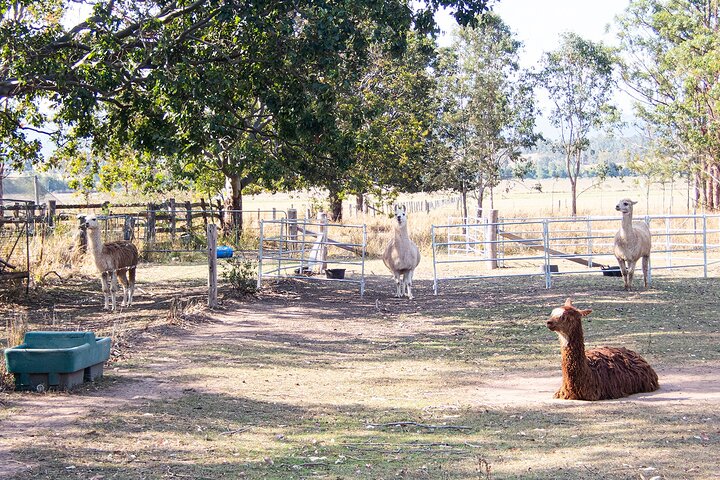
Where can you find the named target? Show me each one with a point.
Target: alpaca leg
(104, 279)
(408, 284)
(398, 285)
(113, 289)
(131, 286)
(645, 267)
(624, 271)
(631, 274)
(122, 276)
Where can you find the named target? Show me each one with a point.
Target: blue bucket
(224, 251)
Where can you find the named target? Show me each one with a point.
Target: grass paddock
(310, 380)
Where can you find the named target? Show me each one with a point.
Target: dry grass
(57, 256)
(16, 325)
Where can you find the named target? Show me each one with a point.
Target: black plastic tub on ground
(611, 271)
(335, 273)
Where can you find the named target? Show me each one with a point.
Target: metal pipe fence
(540, 247)
(305, 248)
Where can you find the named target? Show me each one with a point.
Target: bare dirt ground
(313, 381)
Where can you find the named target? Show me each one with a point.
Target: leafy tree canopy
(180, 77)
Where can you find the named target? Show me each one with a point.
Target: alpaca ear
(634, 203)
(585, 313)
(404, 209)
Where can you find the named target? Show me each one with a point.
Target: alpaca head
(91, 222)
(625, 206)
(400, 215)
(566, 321)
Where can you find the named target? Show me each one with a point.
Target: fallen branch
(310, 464)
(421, 425)
(50, 272)
(239, 430)
(3, 262)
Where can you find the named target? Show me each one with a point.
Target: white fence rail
(312, 249)
(549, 247)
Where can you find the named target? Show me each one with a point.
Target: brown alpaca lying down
(600, 373)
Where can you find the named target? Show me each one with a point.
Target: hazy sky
(538, 24)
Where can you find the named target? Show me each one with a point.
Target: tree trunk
(715, 187)
(2, 177)
(232, 220)
(707, 185)
(480, 202)
(359, 202)
(463, 196)
(335, 206)
(573, 170)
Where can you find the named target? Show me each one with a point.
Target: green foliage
(578, 77)
(488, 108)
(263, 93)
(673, 66)
(242, 275)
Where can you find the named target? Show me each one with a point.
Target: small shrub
(242, 275)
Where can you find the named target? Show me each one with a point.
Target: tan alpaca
(632, 242)
(402, 255)
(113, 260)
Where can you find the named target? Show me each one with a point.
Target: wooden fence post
(204, 212)
(51, 206)
(82, 238)
(491, 238)
(171, 205)
(212, 265)
(36, 190)
(129, 228)
(188, 216)
(150, 232)
(220, 211)
(322, 216)
(292, 227)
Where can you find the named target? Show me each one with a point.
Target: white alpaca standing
(402, 255)
(113, 260)
(632, 242)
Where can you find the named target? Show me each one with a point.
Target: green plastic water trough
(57, 359)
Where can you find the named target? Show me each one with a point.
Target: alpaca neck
(574, 361)
(401, 232)
(626, 228)
(94, 241)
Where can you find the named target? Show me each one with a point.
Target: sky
(538, 24)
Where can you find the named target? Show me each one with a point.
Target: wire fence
(16, 227)
(539, 247)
